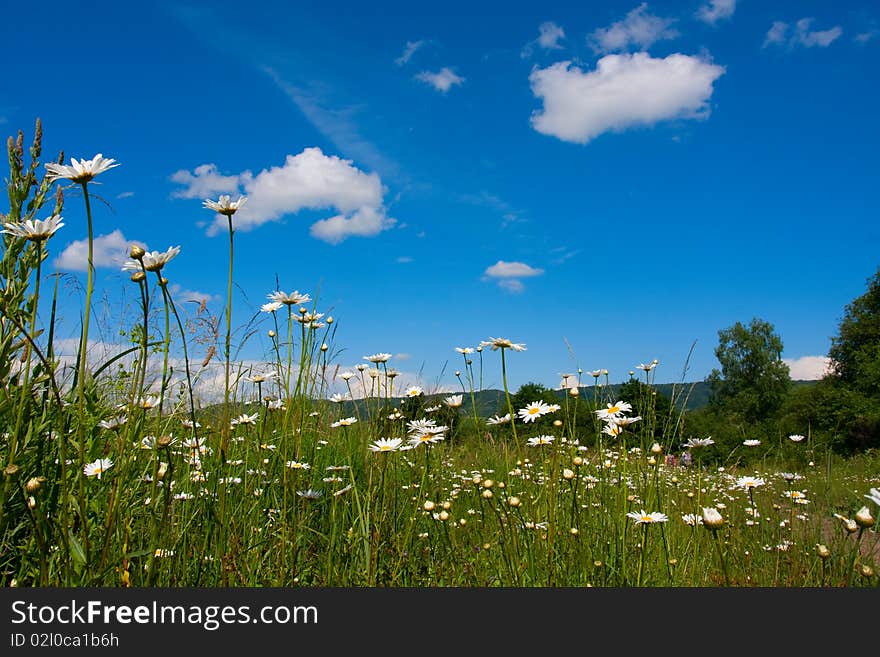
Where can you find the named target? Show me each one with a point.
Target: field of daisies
(115, 473)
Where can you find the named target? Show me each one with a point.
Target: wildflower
(260, 377)
(647, 368)
(413, 391)
(224, 205)
(271, 307)
(464, 350)
(345, 376)
(751, 442)
(621, 420)
(80, 171)
(295, 298)
(297, 465)
(113, 423)
(336, 398)
(502, 343)
(309, 494)
(712, 519)
(453, 401)
(612, 429)
(430, 436)
(378, 358)
(643, 517)
(245, 419)
(533, 411)
(697, 443)
(153, 260)
(750, 482)
(864, 518)
(537, 441)
(275, 405)
(35, 230)
(97, 468)
(386, 445)
(344, 422)
(414, 426)
(148, 402)
(692, 519)
(874, 496)
(189, 424)
(615, 409)
(796, 437)
(498, 420)
(822, 551)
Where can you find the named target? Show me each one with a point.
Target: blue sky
(621, 178)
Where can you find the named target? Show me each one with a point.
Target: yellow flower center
(534, 411)
(385, 448)
(613, 409)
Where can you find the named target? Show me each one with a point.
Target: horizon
(607, 184)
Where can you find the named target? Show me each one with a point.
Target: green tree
(753, 381)
(855, 350)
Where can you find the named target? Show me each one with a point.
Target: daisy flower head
(344, 422)
(453, 401)
(426, 437)
(874, 496)
(413, 391)
(533, 411)
(692, 519)
(712, 519)
(271, 307)
(225, 205)
(293, 299)
(502, 343)
(498, 420)
(337, 398)
(35, 230)
(113, 423)
(80, 171)
(595, 373)
(275, 405)
(796, 437)
(750, 482)
(751, 442)
(245, 419)
(644, 518)
(156, 260)
(538, 441)
(378, 358)
(386, 445)
(297, 465)
(345, 376)
(97, 468)
(698, 443)
(465, 350)
(260, 377)
(615, 409)
(309, 494)
(646, 367)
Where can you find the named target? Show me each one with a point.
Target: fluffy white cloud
(502, 269)
(623, 91)
(716, 10)
(443, 80)
(508, 274)
(205, 181)
(109, 250)
(408, 51)
(639, 28)
(549, 34)
(807, 368)
(801, 35)
(182, 295)
(309, 180)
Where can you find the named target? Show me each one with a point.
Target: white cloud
(638, 28)
(864, 37)
(807, 368)
(403, 260)
(549, 34)
(402, 356)
(716, 10)
(801, 35)
(443, 80)
(109, 250)
(408, 51)
(365, 222)
(205, 182)
(502, 269)
(122, 195)
(309, 180)
(182, 295)
(508, 274)
(624, 91)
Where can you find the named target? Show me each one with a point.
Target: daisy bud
(11, 470)
(488, 483)
(446, 506)
(574, 392)
(573, 531)
(476, 479)
(501, 484)
(867, 571)
(597, 564)
(138, 277)
(163, 281)
(428, 506)
(578, 461)
(33, 484)
(652, 461)
(163, 441)
(462, 522)
(324, 347)
(864, 517)
(136, 252)
(163, 469)
(656, 449)
(851, 526)
(32, 503)
(568, 474)
(557, 423)
(271, 333)
(712, 519)
(822, 551)
(487, 494)
(330, 320)
(444, 516)
(457, 372)
(513, 501)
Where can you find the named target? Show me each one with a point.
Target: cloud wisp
(508, 275)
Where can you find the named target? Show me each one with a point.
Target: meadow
(116, 473)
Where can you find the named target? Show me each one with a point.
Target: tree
(855, 350)
(753, 381)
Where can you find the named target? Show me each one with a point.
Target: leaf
(76, 549)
